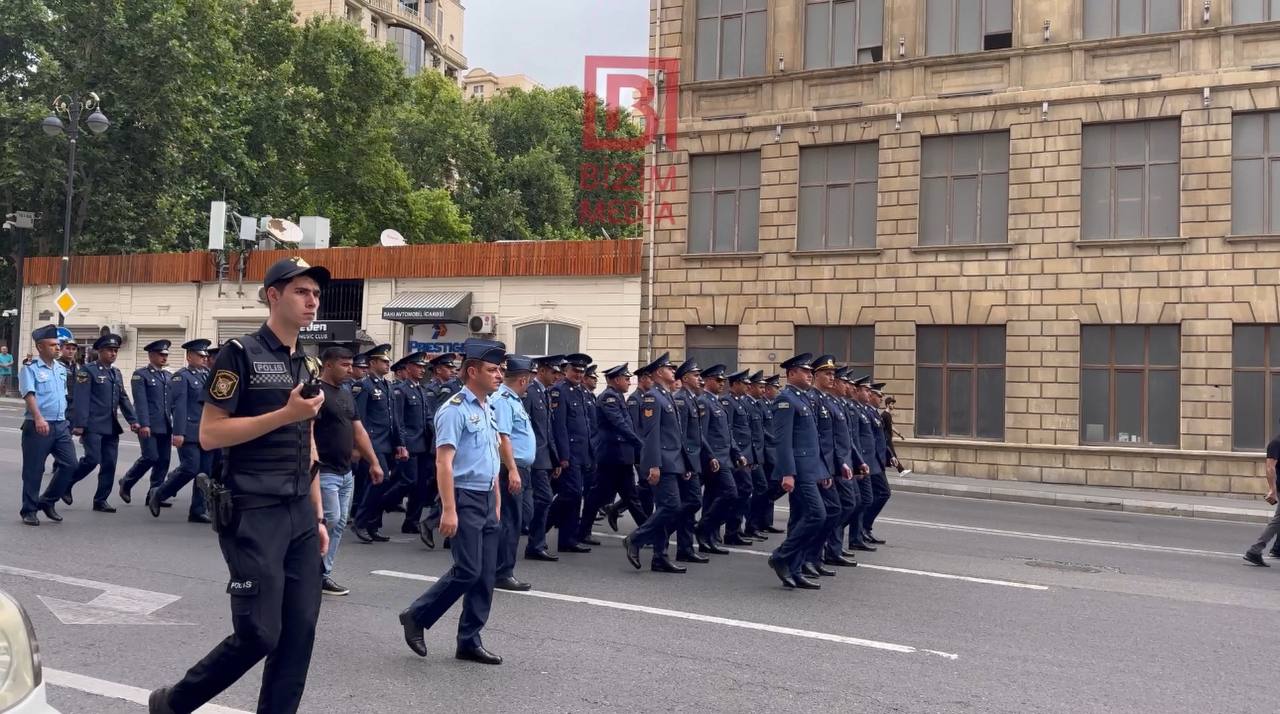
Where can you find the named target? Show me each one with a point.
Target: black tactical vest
(278, 462)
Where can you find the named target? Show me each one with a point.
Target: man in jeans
(1254, 554)
(338, 432)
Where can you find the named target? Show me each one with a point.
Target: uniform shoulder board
(457, 399)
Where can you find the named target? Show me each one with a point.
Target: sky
(548, 40)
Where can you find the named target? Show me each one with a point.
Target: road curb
(1077, 500)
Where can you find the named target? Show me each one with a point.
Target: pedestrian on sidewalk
(6, 371)
(338, 432)
(1254, 554)
(467, 467)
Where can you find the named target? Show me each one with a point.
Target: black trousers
(612, 480)
(880, 496)
(274, 561)
(512, 516)
(157, 450)
(720, 495)
(656, 530)
(101, 452)
(36, 450)
(368, 508)
(475, 561)
(690, 503)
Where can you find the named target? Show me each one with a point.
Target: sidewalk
(1110, 499)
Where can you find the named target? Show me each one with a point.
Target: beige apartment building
(480, 83)
(427, 34)
(1052, 227)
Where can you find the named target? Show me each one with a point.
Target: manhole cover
(1066, 567)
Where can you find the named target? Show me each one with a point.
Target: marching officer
(745, 423)
(799, 466)
(377, 413)
(720, 493)
(644, 493)
(664, 464)
(442, 385)
(760, 415)
(99, 394)
(842, 498)
(186, 397)
(617, 451)
(830, 511)
(411, 414)
(150, 387)
(43, 385)
(571, 427)
(879, 483)
(589, 476)
(546, 461)
(695, 446)
(518, 449)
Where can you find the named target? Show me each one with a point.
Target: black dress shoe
(633, 552)
(410, 529)
(841, 561)
(872, 539)
(589, 541)
(199, 518)
(863, 547)
(510, 583)
(808, 570)
(806, 584)
(771, 529)
(712, 548)
(158, 702)
(477, 654)
(50, 512)
(166, 504)
(780, 569)
(413, 634)
(575, 548)
(542, 555)
(378, 537)
(737, 540)
(611, 515)
(825, 571)
(103, 507)
(153, 502)
(1256, 559)
(692, 557)
(30, 519)
(427, 536)
(362, 534)
(67, 499)
(125, 495)
(666, 566)
(846, 553)
(755, 535)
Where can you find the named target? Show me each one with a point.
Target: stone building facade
(1137, 160)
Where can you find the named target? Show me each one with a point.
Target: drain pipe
(653, 176)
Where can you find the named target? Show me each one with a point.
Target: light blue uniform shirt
(513, 421)
(49, 384)
(472, 430)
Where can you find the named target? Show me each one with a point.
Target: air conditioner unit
(485, 323)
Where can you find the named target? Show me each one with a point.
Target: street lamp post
(73, 107)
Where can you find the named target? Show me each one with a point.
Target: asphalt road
(973, 606)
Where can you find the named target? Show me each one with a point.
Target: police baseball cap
(290, 268)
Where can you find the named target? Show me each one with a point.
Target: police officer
(468, 463)
(589, 476)
(644, 493)
(546, 462)
(411, 414)
(695, 446)
(255, 408)
(150, 387)
(773, 491)
(744, 421)
(664, 463)
(866, 445)
(354, 384)
(617, 451)
(518, 449)
(43, 385)
(377, 413)
(723, 455)
(186, 397)
(99, 394)
(800, 468)
(760, 414)
(813, 566)
(571, 427)
(842, 498)
(442, 385)
(879, 482)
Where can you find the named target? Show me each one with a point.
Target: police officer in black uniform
(258, 406)
(150, 387)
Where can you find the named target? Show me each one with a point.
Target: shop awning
(429, 307)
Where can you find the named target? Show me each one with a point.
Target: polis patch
(224, 384)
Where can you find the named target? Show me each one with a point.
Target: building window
(838, 196)
(730, 39)
(839, 33)
(478, 90)
(955, 26)
(373, 28)
(712, 344)
(1130, 180)
(410, 46)
(354, 15)
(1254, 11)
(342, 300)
(960, 381)
(964, 189)
(1255, 385)
(853, 346)
(724, 203)
(1129, 384)
(1255, 173)
(547, 338)
(1116, 18)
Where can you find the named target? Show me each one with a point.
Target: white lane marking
(116, 605)
(1060, 539)
(711, 619)
(115, 690)
(886, 568)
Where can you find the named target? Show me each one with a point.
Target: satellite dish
(284, 231)
(391, 238)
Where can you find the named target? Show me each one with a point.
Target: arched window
(547, 338)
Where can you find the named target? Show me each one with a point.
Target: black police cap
(290, 268)
(106, 342)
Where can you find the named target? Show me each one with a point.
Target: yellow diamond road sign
(66, 302)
